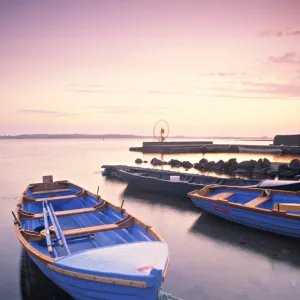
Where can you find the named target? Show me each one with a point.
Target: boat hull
(154, 185)
(255, 219)
(81, 289)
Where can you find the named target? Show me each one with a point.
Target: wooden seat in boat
(127, 222)
(51, 191)
(99, 207)
(286, 207)
(80, 194)
(265, 196)
(223, 196)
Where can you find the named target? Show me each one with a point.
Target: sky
(217, 67)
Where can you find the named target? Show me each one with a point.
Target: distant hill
(115, 136)
(71, 136)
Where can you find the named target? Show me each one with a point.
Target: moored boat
(89, 247)
(269, 210)
(180, 184)
(270, 150)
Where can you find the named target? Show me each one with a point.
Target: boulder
(271, 173)
(283, 168)
(258, 167)
(220, 165)
(295, 165)
(156, 162)
(266, 163)
(232, 161)
(198, 166)
(231, 165)
(145, 161)
(138, 161)
(203, 161)
(175, 163)
(247, 164)
(286, 174)
(187, 164)
(210, 165)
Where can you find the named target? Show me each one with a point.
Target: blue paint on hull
(259, 220)
(81, 289)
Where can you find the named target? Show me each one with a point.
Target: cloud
(279, 89)
(287, 58)
(160, 92)
(224, 74)
(231, 96)
(45, 112)
(278, 33)
(89, 91)
(107, 89)
(127, 109)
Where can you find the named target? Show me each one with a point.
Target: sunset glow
(220, 67)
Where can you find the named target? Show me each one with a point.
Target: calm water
(209, 257)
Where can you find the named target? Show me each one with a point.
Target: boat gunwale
(165, 180)
(102, 279)
(202, 195)
(49, 261)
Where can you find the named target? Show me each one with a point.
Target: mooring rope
(166, 296)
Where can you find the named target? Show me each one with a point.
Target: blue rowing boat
(89, 247)
(270, 210)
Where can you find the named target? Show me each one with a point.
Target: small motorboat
(89, 247)
(270, 210)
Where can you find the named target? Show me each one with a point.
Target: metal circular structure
(161, 130)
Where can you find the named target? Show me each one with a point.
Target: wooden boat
(259, 150)
(158, 181)
(270, 210)
(87, 246)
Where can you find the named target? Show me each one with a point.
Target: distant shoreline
(117, 136)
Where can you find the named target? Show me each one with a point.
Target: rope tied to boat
(166, 296)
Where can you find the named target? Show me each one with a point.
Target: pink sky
(218, 67)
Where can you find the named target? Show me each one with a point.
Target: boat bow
(139, 264)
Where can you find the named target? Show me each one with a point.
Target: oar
(53, 223)
(48, 239)
(59, 229)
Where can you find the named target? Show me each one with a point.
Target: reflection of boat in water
(35, 285)
(270, 210)
(278, 247)
(132, 194)
(260, 150)
(87, 246)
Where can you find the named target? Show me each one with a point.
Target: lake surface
(210, 259)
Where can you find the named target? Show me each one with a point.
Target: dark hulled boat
(180, 184)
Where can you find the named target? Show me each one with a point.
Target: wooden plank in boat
(287, 206)
(51, 191)
(69, 212)
(69, 197)
(99, 207)
(223, 196)
(124, 223)
(92, 229)
(257, 201)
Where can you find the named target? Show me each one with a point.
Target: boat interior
(265, 199)
(65, 215)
